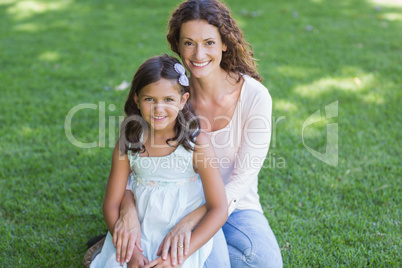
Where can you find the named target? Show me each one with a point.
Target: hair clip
(183, 80)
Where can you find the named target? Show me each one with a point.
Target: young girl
(159, 144)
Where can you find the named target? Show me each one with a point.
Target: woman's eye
(210, 43)
(187, 43)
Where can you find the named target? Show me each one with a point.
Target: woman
(235, 111)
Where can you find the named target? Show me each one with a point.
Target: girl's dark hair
(238, 58)
(187, 124)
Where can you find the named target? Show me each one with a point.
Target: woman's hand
(178, 241)
(138, 259)
(160, 263)
(127, 230)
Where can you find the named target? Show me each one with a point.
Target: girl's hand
(126, 236)
(160, 263)
(178, 241)
(138, 260)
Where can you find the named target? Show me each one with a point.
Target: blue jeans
(250, 243)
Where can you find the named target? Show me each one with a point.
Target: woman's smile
(202, 64)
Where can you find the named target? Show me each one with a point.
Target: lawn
(55, 55)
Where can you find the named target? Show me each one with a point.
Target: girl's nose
(158, 107)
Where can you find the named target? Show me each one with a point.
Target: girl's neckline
(235, 111)
(174, 151)
(161, 155)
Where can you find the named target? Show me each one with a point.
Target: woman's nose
(199, 52)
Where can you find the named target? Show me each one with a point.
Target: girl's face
(200, 46)
(160, 103)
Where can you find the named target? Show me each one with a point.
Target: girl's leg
(219, 256)
(251, 241)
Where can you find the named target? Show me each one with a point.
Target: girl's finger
(152, 263)
(146, 261)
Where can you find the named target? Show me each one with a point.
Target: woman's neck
(213, 87)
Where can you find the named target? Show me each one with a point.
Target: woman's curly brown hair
(238, 58)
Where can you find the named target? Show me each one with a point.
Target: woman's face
(200, 46)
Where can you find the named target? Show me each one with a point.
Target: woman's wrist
(127, 206)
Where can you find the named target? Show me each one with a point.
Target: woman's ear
(184, 99)
(224, 47)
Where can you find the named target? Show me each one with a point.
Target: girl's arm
(115, 188)
(215, 206)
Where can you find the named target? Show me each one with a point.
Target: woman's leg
(219, 256)
(250, 240)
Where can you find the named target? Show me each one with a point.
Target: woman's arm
(212, 215)
(127, 230)
(256, 136)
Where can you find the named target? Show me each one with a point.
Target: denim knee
(251, 242)
(255, 256)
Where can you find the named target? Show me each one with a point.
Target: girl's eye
(169, 99)
(210, 43)
(148, 99)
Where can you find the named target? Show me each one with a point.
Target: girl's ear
(136, 100)
(184, 99)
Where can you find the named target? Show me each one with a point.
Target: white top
(242, 145)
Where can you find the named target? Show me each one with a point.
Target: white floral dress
(165, 190)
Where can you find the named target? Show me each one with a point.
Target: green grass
(55, 55)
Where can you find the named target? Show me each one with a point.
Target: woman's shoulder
(253, 90)
(202, 139)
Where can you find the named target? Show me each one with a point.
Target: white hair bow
(183, 80)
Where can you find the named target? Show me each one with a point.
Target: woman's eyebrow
(206, 39)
